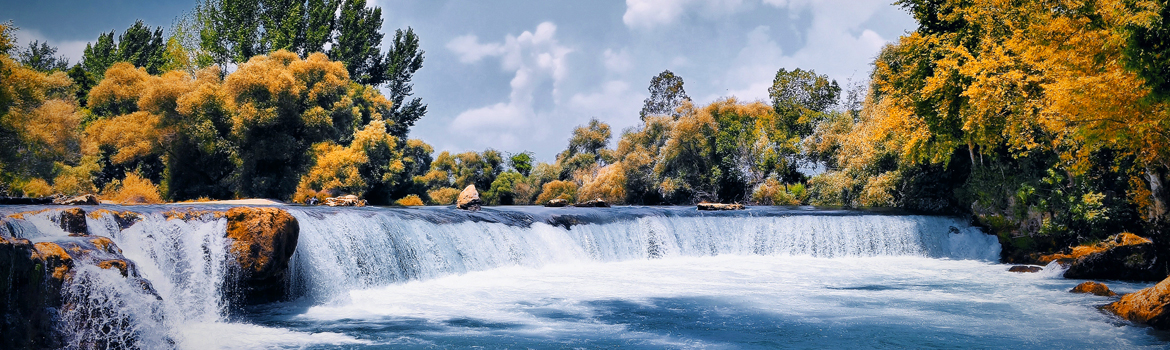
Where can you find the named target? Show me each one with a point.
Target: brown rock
(1123, 256)
(557, 203)
(72, 220)
(34, 279)
(1025, 268)
(85, 199)
(469, 199)
(1093, 288)
(124, 219)
(1147, 306)
(262, 242)
(596, 203)
(345, 201)
(720, 206)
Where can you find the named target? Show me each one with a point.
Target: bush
(772, 192)
(410, 201)
(609, 184)
(566, 190)
(443, 196)
(134, 190)
(37, 188)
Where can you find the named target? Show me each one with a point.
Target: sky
(519, 75)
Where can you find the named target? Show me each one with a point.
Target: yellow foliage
(566, 190)
(443, 196)
(523, 193)
(119, 91)
(878, 190)
(410, 201)
(337, 169)
(134, 190)
(609, 184)
(132, 136)
(772, 192)
(76, 180)
(37, 188)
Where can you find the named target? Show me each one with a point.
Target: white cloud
(536, 58)
(832, 48)
(617, 61)
(653, 13)
(613, 104)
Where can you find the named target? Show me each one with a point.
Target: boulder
(1123, 256)
(557, 203)
(720, 206)
(262, 242)
(469, 199)
(85, 199)
(1025, 268)
(1093, 288)
(32, 293)
(1147, 306)
(345, 201)
(72, 220)
(596, 203)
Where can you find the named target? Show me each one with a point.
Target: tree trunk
(1158, 192)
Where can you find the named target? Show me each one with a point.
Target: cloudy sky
(518, 75)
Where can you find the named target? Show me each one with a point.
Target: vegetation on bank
(1047, 121)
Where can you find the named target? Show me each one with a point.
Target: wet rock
(557, 203)
(262, 242)
(1025, 269)
(85, 199)
(720, 206)
(124, 219)
(345, 201)
(596, 203)
(1093, 288)
(469, 199)
(1123, 256)
(1147, 306)
(32, 277)
(72, 220)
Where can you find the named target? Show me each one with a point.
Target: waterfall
(342, 250)
(347, 250)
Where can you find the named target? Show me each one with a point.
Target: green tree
(138, 45)
(666, 95)
(230, 30)
(284, 25)
(40, 56)
(319, 25)
(522, 162)
(100, 55)
(359, 42)
(403, 59)
(1147, 51)
(503, 190)
(801, 98)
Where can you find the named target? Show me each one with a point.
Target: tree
(230, 30)
(802, 97)
(359, 42)
(522, 162)
(40, 56)
(402, 60)
(283, 25)
(319, 25)
(138, 45)
(666, 95)
(7, 38)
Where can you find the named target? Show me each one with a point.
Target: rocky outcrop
(720, 206)
(469, 199)
(557, 203)
(32, 277)
(596, 203)
(85, 199)
(1093, 288)
(1025, 269)
(345, 201)
(1123, 256)
(1147, 306)
(262, 242)
(72, 220)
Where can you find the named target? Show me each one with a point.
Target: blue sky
(519, 75)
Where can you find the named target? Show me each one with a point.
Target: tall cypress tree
(359, 42)
(402, 60)
(319, 25)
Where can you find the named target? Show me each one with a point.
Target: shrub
(443, 196)
(609, 184)
(772, 192)
(37, 188)
(135, 190)
(566, 190)
(410, 201)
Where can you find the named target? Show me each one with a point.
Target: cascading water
(538, 277)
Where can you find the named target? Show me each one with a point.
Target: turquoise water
(654, 278)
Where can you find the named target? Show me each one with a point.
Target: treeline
(239, 100)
